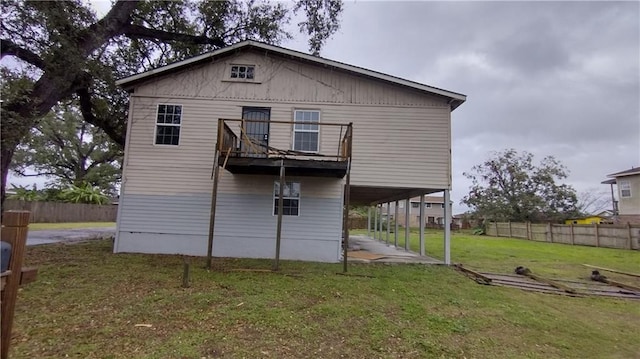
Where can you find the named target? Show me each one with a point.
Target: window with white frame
(306, 130)
(625, 189)
(428, 205)
(291, 198)
(168, 123)
(442, 205)
(415, 204)
(246, 72)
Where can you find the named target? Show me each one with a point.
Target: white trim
(299, 55)
(293, 132)
(241, 79)
(627, 184)
(156, 124)
(276, 196)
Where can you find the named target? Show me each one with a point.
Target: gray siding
(245, 225)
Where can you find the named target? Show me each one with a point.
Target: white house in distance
(433, 212)
(221, 128)
(627, 208)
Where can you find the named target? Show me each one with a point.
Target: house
(433, 212)
(586, 220)
(211, 139)
(627, 208)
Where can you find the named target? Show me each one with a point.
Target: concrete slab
(35, 238)
(389, 253)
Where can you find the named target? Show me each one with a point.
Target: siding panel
(282, 80)
(245, 225)
(393, 146)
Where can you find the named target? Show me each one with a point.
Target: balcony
(303, 148)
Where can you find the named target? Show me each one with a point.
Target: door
(257, 132)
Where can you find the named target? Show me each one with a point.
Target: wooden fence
(625, 236)
(58, 212)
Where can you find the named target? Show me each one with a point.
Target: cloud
(550, 78)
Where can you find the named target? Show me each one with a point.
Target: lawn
(87, 302)
(74, 225)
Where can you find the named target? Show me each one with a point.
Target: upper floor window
(625, 189)
(306, 131)
(428, 205)
(168, 124)
(442, 205)
(415, 204)
(242, 72)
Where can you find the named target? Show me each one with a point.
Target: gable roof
(629, 172)
(455, 99)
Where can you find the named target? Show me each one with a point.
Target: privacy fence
(58, 212)
(626, 236)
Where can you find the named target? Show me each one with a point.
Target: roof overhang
(454, 99)
(629, 172)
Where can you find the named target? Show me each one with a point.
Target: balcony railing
(235, 140)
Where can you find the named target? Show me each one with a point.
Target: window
(431, 220)
(428, 205)
(442, 204)
(415, 204)
(401, 204)
(305, 130)
(242, 72)
(168, 124)
(291, 198)
(625, 189)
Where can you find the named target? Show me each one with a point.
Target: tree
(72, 152)
(593, 201)
(64, 52)
(509, 186)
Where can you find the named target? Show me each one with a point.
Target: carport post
(407, 216)
(422, 249)
(447, 228)
(395, 219)
(388, 222)
(369, 221)
(375, 222)
(380, 223)
(282, 183)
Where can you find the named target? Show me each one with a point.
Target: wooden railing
(240, 144)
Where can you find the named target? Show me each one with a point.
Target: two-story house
(254, 150)
(434, 211)
(627, 208)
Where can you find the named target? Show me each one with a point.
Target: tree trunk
(7, 155)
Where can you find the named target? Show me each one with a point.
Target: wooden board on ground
(364, 255)
(581, 289)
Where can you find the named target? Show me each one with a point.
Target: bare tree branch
(108, 125)
(141, 32)
(9, 47)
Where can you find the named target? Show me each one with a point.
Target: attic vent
(242, 72)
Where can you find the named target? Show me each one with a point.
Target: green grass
(46, 226)
(87, 301)
(503, 255)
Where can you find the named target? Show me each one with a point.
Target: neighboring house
(587, 220)
(433, 211)
(264, 108)
(627, 208)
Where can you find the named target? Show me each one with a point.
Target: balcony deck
(240, 153)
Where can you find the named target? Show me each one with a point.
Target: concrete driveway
(35, 238)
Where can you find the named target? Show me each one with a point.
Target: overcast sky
(550, 78)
